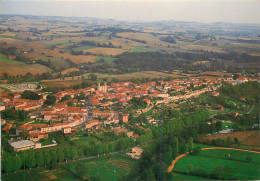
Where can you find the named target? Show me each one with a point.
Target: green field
(237, 166)
(6, 59)
(234, 155)
(109, 168)
(57, 43)
(179, 176)
(112, 168)
(227, 125)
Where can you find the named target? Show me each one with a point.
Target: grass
(13, 37)
(6, 59)
(234, 155)
(111, 168)
(212, 158)
(141, 49)
(227, 125)
(179, 176)
(58, 43)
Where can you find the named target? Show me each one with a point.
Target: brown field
(78, 59)
(150, 39)
(215, 73)
(60, 83)
(8, 34)
(145, 74)
(106, 51)
(201, 47)
(251, 138)
(201, 62)
(21, 68)
(68, 81)
(69, 70)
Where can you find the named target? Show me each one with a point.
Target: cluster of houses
(102, 98)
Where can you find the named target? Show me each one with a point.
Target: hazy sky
(237, 11)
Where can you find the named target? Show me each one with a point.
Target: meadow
(235, 164)
(110, 168)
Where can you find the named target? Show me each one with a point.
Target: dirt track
(185, 154)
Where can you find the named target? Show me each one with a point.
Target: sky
(206, 11)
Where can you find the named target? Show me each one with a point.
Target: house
(150, 120)
(242, 98)
(124, 117)
(47, 116)
(215, 93)
(2, 108)
(220, 107)
(234, 114)
(67, 130)
(3, 122)
(7, 127)
(135, 153)
(92, 123)
(130, 134)
(25, 128)
(37, 136)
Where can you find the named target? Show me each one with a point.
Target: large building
(22, 145)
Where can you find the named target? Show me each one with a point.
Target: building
(124, 117)
(37, 136)
(22, 145)
(135, 153)
(3, 122)
(102, 88)
(92, 122)
(67, 130)
(215, 93)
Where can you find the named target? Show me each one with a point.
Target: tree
(190, 145)
(236, 140)
(71, 104)
(92, 76)
(50, 100)
(60, 155)
(67, 153)
(74, 153)
(47, 158)
(54, 156)
(17, 163)
(27, 94)
(30, 161)
(40, 159)
(228, 141)
(176, 147)
(8, 165)
(66, 97)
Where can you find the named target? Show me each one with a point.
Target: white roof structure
(22, 143)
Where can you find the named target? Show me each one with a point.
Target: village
(102, 109)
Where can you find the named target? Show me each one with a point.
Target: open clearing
(111, 168)
(242, 164)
